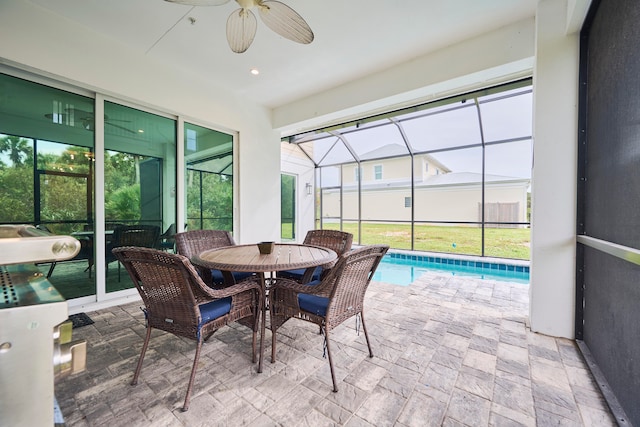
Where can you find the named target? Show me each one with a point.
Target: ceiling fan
(242, 23)
(87, 119)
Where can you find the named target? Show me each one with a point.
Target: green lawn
(499, 242)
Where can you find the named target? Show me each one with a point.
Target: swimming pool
(405, 268)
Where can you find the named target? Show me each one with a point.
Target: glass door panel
(46, 171)
(139, 180)
(209, 178)
(64, 200)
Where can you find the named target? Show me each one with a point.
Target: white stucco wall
(495, 57)
(455, 203)
(553, 198)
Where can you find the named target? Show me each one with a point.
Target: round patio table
(284, 256)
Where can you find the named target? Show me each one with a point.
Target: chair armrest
(242, 286)
(308, 274)
(322, 289)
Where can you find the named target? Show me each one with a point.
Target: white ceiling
(353, 38)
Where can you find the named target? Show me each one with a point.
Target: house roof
(396, 150)
(389, 150)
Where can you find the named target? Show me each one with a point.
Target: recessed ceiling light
(255, 71)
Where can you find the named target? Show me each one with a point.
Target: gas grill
(35, 337)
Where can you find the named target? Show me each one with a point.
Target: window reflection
(139, 176)
(46, 171)
(209, 178)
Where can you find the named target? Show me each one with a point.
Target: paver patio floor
(449, 351)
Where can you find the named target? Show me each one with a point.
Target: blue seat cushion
(313, 304)
(218, 278)
(299, 273)
(214, 309)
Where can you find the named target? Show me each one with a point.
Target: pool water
(400, 269)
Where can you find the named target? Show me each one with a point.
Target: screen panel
(609, 196)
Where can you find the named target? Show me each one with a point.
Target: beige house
(439, 194)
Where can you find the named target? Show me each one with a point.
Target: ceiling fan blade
(241, 29)
(119, 127)
(285, 21)
(78, 112)
(200, 2)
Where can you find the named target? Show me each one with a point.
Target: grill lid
(21, 244)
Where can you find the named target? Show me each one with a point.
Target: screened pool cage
(449, 176)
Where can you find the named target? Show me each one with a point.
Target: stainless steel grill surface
(35, 339)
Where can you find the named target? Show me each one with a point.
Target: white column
(553, 242)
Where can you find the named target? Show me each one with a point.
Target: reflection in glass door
(209, 178)
(63, 198)
(139, 181)
(46, 170)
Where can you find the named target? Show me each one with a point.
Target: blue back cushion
(299, 273)
(214, 309)
(313, 304)
(219, 279)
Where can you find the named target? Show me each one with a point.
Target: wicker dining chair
(167, 241)
(192, 243)
(140, 235)
(338, 297)
(177, 301)
(336, 240)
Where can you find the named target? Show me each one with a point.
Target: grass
(499, 242)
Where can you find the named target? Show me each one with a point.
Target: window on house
(357, 173)
(407, 202)
(377, 172)
(426, 167)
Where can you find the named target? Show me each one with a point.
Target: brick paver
(448, 351)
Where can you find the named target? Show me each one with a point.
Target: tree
(216, 206)
(124, 204)
(20, 150)
(16, 179)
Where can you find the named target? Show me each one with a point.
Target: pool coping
(491, 263)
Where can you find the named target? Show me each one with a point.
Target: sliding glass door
(49, 176)
(139, 178)
(47, 171)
